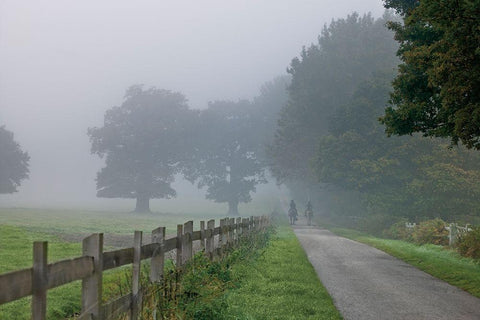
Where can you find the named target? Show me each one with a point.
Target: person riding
(309, 212)
(292, 212)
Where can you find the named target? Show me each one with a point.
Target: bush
(399, 231)
(468, 244)
(431, 231)
(375, 224)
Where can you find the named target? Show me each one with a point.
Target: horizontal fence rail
(36, 281)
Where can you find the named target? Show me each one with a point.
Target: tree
(145, 141)
(402, 176)
(437, 91)
(227, 160)
(13, 162)
(324, 77)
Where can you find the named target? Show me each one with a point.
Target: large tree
(13, 162)
(145, 141)
(404, 176)
(437, 89)
(324, 77)
(227, 159)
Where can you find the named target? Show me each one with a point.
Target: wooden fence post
(238, 231)
(179, 244)
(136, 272)
(452, 234)
(187, 241)
(244, 227)
(92, 285)
(220, 233)
(210, 238)
(202, 235)
(39, 280)
(227, 232)
(157, 263)
(231, 231)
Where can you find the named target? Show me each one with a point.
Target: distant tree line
(154, 135)
(329, 142)
(344, 128)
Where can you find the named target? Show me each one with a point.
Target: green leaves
(145, 141)
(229, 149)
(436, 91)
(13, 162)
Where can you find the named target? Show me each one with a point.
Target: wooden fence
(454, 231)
(36, 281)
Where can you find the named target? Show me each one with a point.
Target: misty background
(64, 63)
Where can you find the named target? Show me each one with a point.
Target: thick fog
(63, 63)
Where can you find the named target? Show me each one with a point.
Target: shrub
(468, 244)
(431, 231)
(399, 231)
(375, 224)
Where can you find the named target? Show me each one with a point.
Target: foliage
(430, 232)
(227, 160)
(376, 224)
(266, 108)
(399, 231)
(323, 77)
(436, 90)
(197, 290)
(401, 176)
(13, 162)
(468, 244)
(145, 141)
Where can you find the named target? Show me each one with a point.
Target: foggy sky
(63, 63)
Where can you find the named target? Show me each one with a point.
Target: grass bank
(440, 262)
(280, 284)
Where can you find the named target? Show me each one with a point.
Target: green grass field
(64, 230)
(281, 284)
(58, 221)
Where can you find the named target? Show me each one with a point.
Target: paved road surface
(366, 283)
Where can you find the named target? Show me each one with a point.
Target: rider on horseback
(309, 212)
(292, 212)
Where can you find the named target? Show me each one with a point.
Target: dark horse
(292, 214)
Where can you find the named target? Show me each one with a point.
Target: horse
(309, 215)
(292, 214)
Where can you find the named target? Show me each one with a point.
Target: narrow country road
(366, 283)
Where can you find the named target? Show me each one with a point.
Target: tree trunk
(233, 208)
(143, 204)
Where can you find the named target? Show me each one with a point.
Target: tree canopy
(13, 162)
(403, 176)
(323, 77)
(145, 141)
(227, 158)
(436, 91)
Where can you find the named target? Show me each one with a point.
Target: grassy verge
(438, 261)
(280, 284)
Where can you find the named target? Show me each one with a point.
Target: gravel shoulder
(366, 283)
